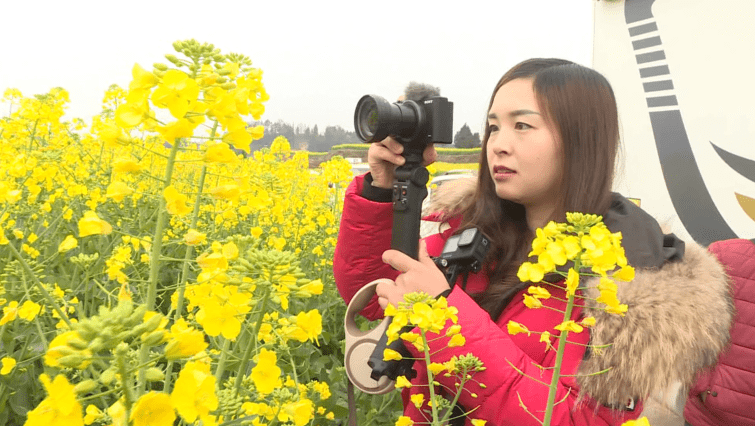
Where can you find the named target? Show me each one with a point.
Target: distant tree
(464, 138)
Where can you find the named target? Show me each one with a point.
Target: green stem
(559, 358)
(128, 397)
(157, 238)
(49, 299)
(154, 261)
(430, 386)
(190, 249)
(252, 343)
(185, 267)
(221, 363)
(458, 391)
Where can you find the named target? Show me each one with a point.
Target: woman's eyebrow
(522, 112)
(515, 113)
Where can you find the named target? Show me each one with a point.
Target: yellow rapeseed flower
(230, 192)
(532, 302)
(126, 165)
(194, 393)
(308, 326)
(404, 421)
(91, 224)
(220, 153)
(625, 274)
(436, 368)
(59, 408)
(8, 365)
(153, 409)
(391, 355)
(402, 382)
(142, 79)
(531, 272)
(10, 312)
(572, 282)
(177, 92)
(118, 191)
(266, 374)
(175, 201)
(29, 310)
(194, 237)
(539, 292)
(515, 328)
(300, 412)
(569, 326)
(456, 341)
(185, 341)
(69, 243)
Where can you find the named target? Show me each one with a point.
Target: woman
(549, 148)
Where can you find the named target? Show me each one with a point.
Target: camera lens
(367, 118)
(375, 119)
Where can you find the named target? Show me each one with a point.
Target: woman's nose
(500, 143)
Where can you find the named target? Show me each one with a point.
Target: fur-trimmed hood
(680, 306)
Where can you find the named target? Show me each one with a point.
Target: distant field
(440, 167)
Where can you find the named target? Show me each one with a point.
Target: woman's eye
(522, 126)
(493, 128)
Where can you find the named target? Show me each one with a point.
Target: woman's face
(524, 152)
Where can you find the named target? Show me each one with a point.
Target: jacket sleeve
(499, 402)
(364, 234)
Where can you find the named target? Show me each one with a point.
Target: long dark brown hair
(579, 104)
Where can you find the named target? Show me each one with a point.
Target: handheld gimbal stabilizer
(415, 125)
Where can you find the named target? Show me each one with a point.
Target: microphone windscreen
(420, 91)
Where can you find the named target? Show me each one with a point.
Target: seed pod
(65, 350)
(71, 361)
(154, 374)
(123, 310)
(154, 338)
(77, 343)
(87, 330)
(85, 387)
(97, 344)
(107, 376)
(245, 263)
(153, 322)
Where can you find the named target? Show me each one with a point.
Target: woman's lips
(502, 172)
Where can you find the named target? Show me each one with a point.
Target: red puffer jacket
(726, 395)
(645, 341)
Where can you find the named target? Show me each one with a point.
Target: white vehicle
(682, 75)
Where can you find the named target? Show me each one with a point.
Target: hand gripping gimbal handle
(361, 344)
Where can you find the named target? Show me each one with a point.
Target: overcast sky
(318, 57)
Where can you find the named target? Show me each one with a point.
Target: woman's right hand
(384, 156)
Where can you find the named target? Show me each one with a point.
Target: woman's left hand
(422, 275)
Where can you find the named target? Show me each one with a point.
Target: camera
(415, 124)
(467, 248)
